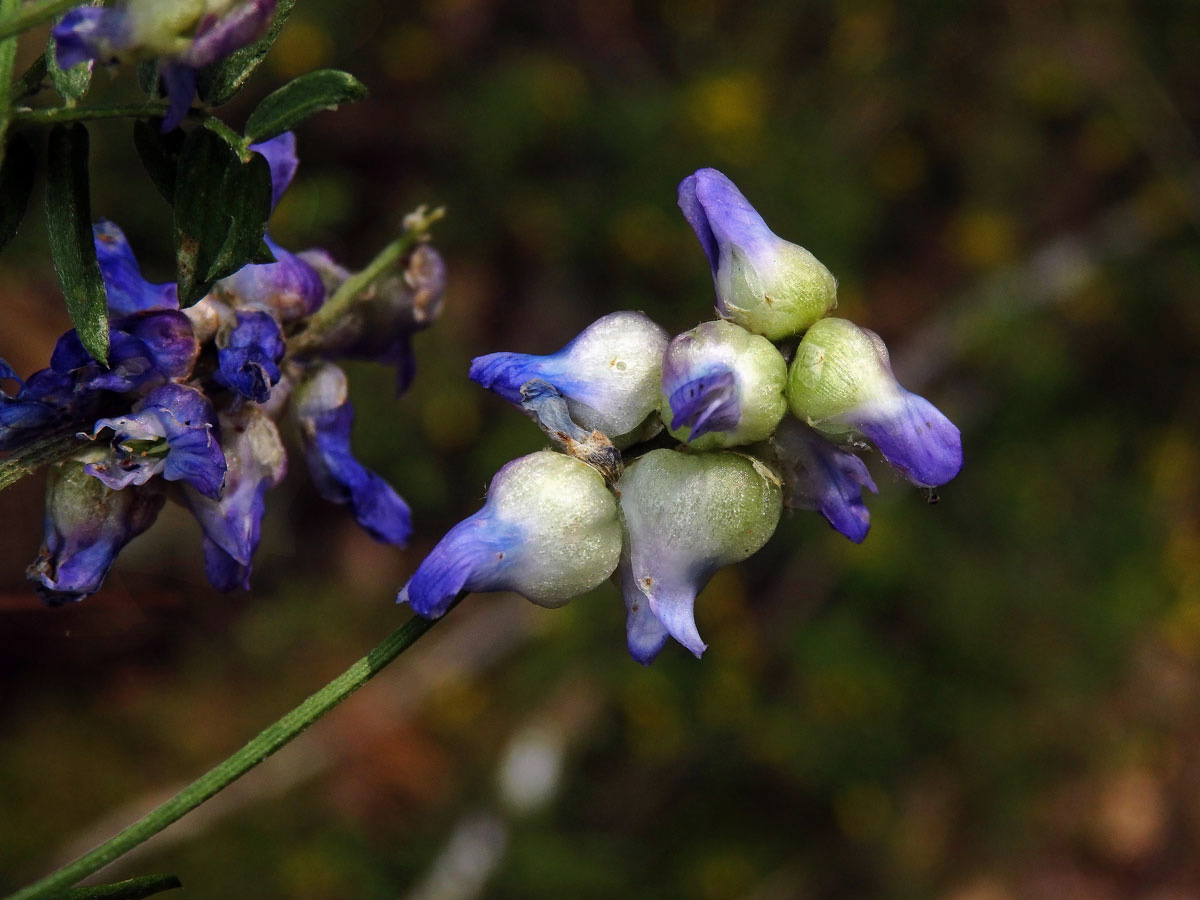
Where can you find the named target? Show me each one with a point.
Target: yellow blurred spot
(409, 54)
(724, 874)
(450, 417)
(1161, 208)
(862, 811)
(557, 89)
(1181, 625)
(640, 234)
(689, 16)
(729, 105)
(1104, 144)
(899, 166)
(861, 39)
(1092, 301)
(655, 730)
(1176, 466)
(983, 237)
(301, 47)
(1047, 83)
(458, 704)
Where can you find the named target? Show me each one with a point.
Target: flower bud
(722, 386)
(609, 374)
(248, 355)
(765, 284)
(687, 515)
(549, 530)
(841, 381)
(325, 415)
(87, 524)
(820, 475)
(257, 462)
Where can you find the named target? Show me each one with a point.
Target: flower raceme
(185, 408)
(755, 436)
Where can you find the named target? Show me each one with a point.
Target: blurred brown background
(992, 698)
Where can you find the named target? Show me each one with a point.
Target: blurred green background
(993, 698)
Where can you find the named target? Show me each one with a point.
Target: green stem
(329, 316)
(222, 775)
(84, 113)
(133, 889)
(32, 14)
(28, 459)
(8, 54)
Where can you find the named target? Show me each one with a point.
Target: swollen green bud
(841, 381)
(722, 386)
(687, 515)
(765, 284)
(838, 367)
(550, 530)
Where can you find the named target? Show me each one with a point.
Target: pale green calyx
(778, 292)
(722, 386)
(570, 531)
(687, 515)
(839, 368)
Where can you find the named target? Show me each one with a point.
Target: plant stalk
(222, 775)
(33, 14)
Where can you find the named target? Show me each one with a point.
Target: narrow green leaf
(69, 223)
(263, 255)
(299, 99)
(31, 81)
(8, 55)
(221, 211)
(133, 889)
(16, 184)
(71, 83)
(147, 74)
(216, 84)
(159, 154)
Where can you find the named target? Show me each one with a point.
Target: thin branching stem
(272, 738)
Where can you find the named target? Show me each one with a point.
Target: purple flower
(145, 349)
(380, 327)
(185, 37)
(41, 404)
(325, 415)
(87, 524)
(687, 515)
(722, 386)
(765, 284)
(841, 381)
(127, 291)
(282, 159)
(820, 475)
(549, 530)
(289, 287)
(169, 433)
(610, 374)
(92, 33)
(248, 363)
(257, 462)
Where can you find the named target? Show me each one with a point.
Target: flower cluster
(187, 404)
(184, 35)
(767, 406)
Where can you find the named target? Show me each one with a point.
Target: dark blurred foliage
(994, 697)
